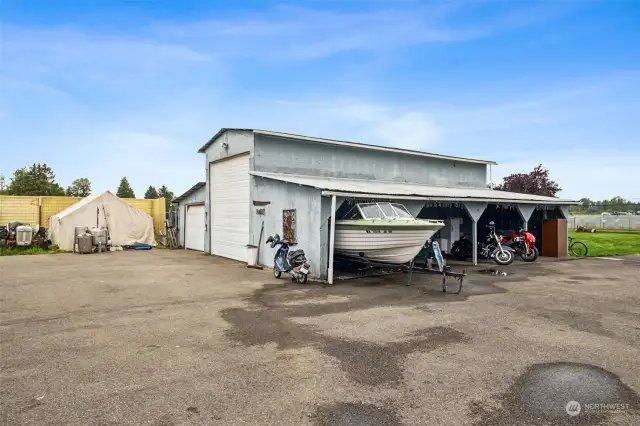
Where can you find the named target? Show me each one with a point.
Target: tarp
(126, 224)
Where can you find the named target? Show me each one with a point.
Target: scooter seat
(295, 253)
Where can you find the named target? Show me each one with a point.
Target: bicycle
(577, 248)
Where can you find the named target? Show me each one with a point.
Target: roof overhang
(440, 198)
(356, 188)
(189, 191)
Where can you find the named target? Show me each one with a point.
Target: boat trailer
(451, 281)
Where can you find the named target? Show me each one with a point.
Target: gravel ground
(181, 338)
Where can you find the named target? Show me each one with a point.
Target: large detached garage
(297, 186)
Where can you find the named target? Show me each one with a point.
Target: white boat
(383, 232)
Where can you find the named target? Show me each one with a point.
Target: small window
(402, 211)
(289, 225)
(371, 211)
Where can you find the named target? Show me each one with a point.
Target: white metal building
(285, 183)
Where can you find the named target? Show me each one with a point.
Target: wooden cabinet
(554, 238)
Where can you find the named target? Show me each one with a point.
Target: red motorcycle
(522, 242)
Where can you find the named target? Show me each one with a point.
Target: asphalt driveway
(179, 338)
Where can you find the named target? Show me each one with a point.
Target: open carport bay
(178, 337)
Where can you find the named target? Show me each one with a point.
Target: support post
(475, 210)
(525, 211)
(332, 237)
(474, 241)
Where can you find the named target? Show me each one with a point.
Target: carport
(478, 205)
(421, 198)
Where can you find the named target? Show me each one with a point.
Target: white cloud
(288, 33)
(596, 173)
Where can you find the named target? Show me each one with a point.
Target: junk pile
(18, 234)
(585, 229)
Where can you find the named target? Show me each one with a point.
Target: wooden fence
(37, 210)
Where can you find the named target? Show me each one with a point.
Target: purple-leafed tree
(536, 182)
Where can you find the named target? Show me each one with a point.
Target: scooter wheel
(302, 278)
(276, 273)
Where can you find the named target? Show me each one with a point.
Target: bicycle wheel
(578, 249)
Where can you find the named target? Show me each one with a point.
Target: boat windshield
(387, 210)
(384, 211)
(371, 211)
(402, 211)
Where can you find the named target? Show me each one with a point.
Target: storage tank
(79, 230)
(24, 234)
(99, 236)
(85, 243)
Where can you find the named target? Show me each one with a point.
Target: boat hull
(386, 243)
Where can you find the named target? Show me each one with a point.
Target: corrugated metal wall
(37, 210)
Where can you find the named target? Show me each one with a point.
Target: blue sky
(104, 89)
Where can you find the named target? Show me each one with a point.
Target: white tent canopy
(126, 225)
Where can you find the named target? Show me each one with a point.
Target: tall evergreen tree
(125, 190)
(151, 193)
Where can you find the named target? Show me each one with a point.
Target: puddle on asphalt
(578, 321)
(348, 414)
(373, 364)
(268, 320)
(541, 396)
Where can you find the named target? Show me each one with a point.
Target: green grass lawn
(609, 243)
(18, 251)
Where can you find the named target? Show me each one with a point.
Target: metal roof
(408, 191)
(344, 143)
(190, 191)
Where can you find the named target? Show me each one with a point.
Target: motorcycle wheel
(276, 273)
(459, 252)
(531, 257)
(302, 278)
(503, 258)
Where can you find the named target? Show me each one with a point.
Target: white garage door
(194, 228)
(229, 186)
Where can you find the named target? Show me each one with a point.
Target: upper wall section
(237, 142)
(280, 155)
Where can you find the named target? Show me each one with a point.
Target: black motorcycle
(292, 262)
(491, 248)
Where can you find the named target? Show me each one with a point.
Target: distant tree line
(40, 180)
(616, 205)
